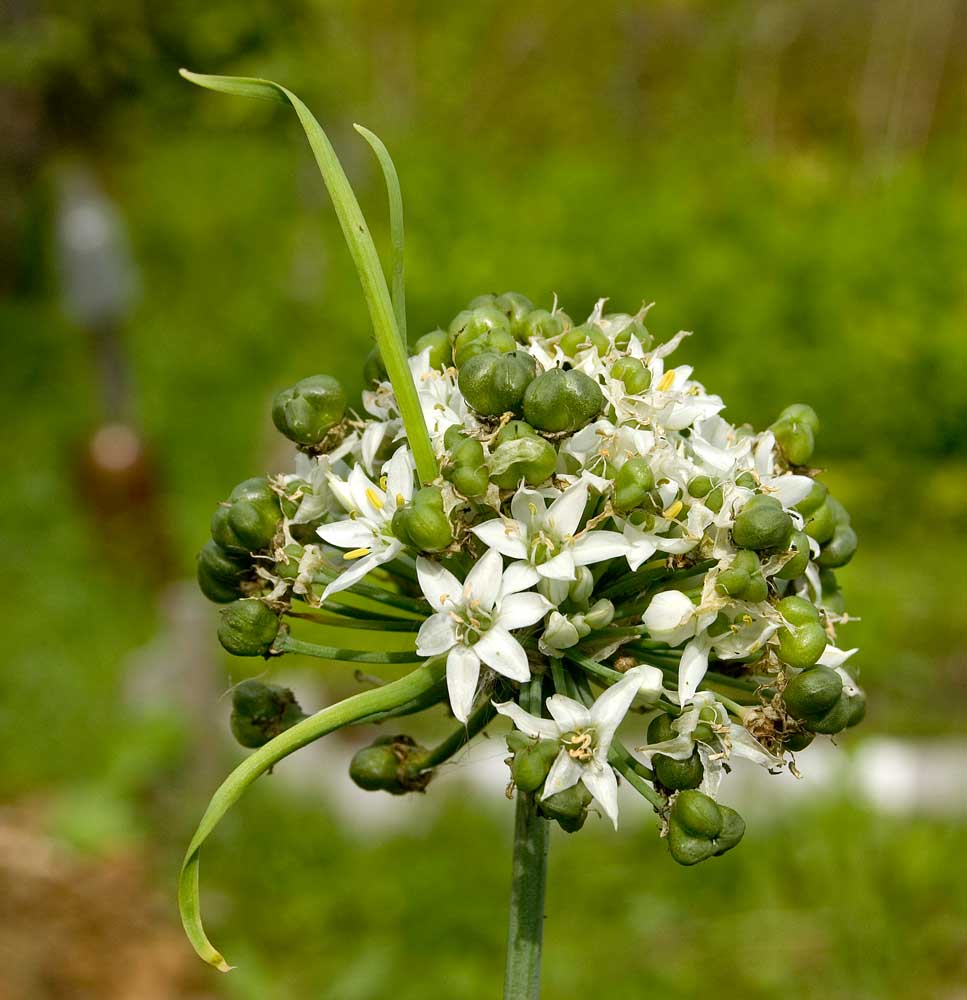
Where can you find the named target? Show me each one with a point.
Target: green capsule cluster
(529, 766)
(674, 775)
(700, 828)
(819, 700)
(389, 764)
(261, 711)
(422, 523)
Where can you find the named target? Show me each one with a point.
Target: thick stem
(522, 980)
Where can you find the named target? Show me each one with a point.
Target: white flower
(586, 735)
(473, 621)
(367, 532)
(728, 740)
(787, 488)
(547, 538)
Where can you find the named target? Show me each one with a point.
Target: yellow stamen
(667, 381)
(374, 498)
(355, 553)
(673, 511)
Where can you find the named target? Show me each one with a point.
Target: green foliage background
(786, 180)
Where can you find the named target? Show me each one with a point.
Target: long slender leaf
(359, 708)
(395, 195)
(363, 252)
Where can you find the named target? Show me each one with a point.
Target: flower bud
(494, 384)
(600, 614)
(248, 628)
(797, 565)
(635, 375)
(762, 524)
(220, 573)
(261, 711)
(542, 324)
(569, 807)
(812, 693)
(422, 523)
(562, 401)
(560, 632)
(632, 484)
(521, 454)
(441, 351)
(249, 519)
(531, 764)
(582, 586)
(307, 411)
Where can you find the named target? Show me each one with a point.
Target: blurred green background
(786, 179)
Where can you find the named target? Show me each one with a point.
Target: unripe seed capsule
(307, 411)
(248, 628)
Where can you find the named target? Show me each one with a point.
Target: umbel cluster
(643, 589)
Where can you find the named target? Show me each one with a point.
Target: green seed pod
(857, 709)
(249, 519)
(373, 368)
(732, 581)
(466, 469)
(797, 741)
(733, 830)
(757, 590)
(422, 523)
(699, 487)
(562, 401)
(632, 483)
(621, 327)
(762, 524)
(542, 324)
(813, 692)
(494, 384)
(473, 323)
(308, 410)
(248, 628)
(813, 499)
(582, 337)
(531, 765)
(801, 413)
(261, 711)
(796, 440)
(376, 768)
(493, 342)
(521, 454)
(697, 814)
(515, 307)
(678, 774)
(687, 849)
(714, 500)
(569, 808)
(801, 645)
(517, 741)
(220, 574)
(487, 299)
(800, 561)
(441, 351)
(839, 550)
(798, 611)
(833, 721)
(747, 481)
(821, 523)
(634, 373)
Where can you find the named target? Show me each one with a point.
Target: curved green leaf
(363, 251)
(371, 704)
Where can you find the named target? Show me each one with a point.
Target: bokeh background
(787, 179)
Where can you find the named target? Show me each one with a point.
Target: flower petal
(611, 707)
(438, 584)
(517, 577)
(565, 773)
(561, 567)
(521, 610)
(564, 514)
(568, 713)
(503, 653)
(463, 672)
(527, 723)
(348, 534)
(596, 546)
(437, 634)
(483, 581)
(503, 534)
(692, 667)
(668, 617)
(603, 785)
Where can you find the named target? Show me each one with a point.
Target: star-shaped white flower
(586, 735)
(367, 532)
(547, 538)
(473, 622)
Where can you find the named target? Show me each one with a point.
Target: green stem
(459, 738)
(363, 251)
(286, 644)
(359, 708)
(370, 625)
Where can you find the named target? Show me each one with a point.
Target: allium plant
(577, 541)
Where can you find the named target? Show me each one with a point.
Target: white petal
(503, 653)
(565, 772)
(527, 723)
(528, 507)
(611, 707)
(596, 546)
(372, 439)
(363, 489)
(521, 610)
(517, 577)
(833, 657)
(504, 535)
(568, 713)
(564, 514)
(483, 581)
(463, 672)
(744, 744)
(669, 617)
(789, 490)
(561, 567)
(348, 534)
(438, 584)
(399, 474)
(437, 634)
(603, 785)
(692, 668)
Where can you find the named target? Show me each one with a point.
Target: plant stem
(525, 932)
